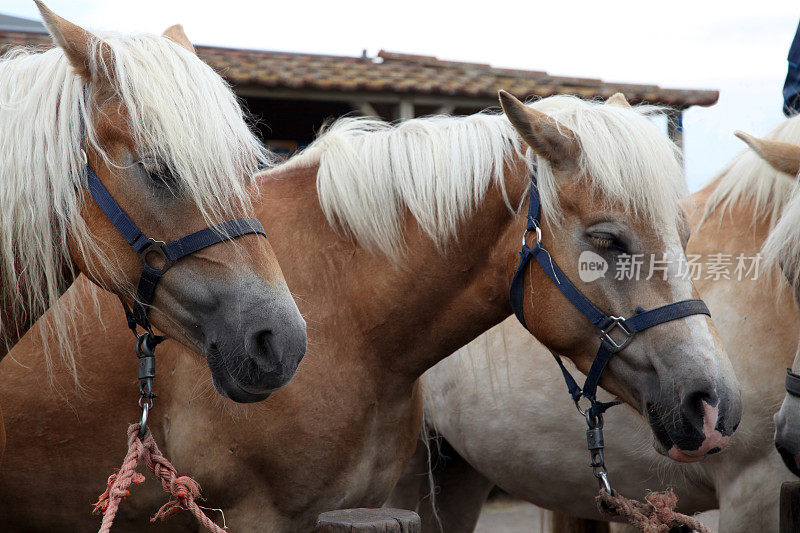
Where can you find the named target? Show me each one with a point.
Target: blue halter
(168, 253)
(628, 327)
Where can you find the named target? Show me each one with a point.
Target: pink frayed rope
(183, 489)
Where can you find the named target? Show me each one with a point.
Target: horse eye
(607, 241)
(158, 170)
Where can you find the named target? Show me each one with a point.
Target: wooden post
(365, 108)
(382, 520)
(405, 109)
(790, 507)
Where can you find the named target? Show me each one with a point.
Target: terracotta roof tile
(405, 73)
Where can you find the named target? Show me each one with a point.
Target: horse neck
(400, 316)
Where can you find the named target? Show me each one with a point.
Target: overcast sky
(738, 48)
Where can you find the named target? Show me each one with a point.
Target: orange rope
(183, 489)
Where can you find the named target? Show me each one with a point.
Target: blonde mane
(179, 110)
(439, 168)
(783, 244)
(750, 179)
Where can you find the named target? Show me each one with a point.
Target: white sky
(734, 46)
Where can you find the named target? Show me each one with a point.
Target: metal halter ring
(593, 421)
(578, 406)
(538, 231)
(611, 344)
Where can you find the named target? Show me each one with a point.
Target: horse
(161, 143)
(496, 404)
(399, 243)
(782, 248)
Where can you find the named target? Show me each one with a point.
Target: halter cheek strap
(606, 324)
(168, 253)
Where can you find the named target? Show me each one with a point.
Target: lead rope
(655, 515)
(183, 489)
(141, 447)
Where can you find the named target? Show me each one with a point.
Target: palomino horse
(497, 400)
(399, 243)
(783, 247)
(144, 119)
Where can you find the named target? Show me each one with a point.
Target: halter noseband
(606, 324)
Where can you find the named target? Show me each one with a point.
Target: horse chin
(791, 461)
(232, 389)
(228, 386)
(664, 444)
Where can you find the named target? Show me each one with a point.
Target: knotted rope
(183, 489)
(655, 515)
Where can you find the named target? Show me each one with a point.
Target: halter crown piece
(168, 253)
(606, 324)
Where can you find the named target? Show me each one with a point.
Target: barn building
(292, 94)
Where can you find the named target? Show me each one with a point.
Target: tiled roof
(406, 74)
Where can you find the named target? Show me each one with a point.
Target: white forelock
(439, 168)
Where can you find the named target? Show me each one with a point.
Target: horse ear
(176, 34)
(74, 40)
(618, 99)
(782, 156)
(548, 137)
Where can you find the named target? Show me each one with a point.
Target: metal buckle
(159, 248)
(606, 338)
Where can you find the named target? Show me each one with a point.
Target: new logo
(591, 266)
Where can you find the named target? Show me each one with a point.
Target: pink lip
(682, 457)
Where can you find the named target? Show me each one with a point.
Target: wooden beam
(254, 91)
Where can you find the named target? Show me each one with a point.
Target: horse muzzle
(702, 425)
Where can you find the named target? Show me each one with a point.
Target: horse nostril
(262, 339)
(694, 406)
(714, 450)
(263, 350)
